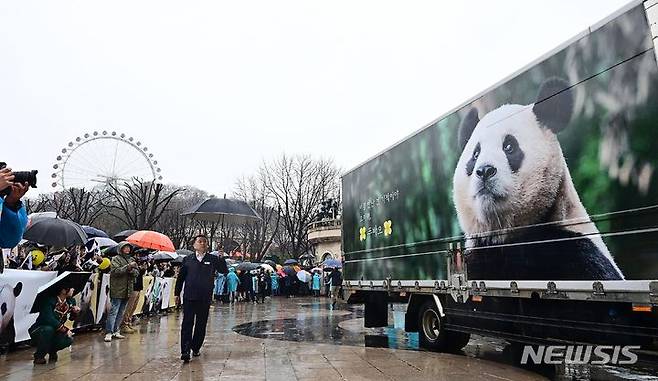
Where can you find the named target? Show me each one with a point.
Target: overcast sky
(214, 88)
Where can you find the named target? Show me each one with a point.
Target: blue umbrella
(334, 263)
(93, 232)
(290, 262)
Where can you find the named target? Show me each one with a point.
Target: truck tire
(431, 332)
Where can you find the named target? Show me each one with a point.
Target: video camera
(22, 177)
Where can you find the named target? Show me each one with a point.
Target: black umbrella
(93, 232)
(290, 262)
(270, 262)
(67, 279)
(56, 232)
(247, 266)
(225, 210)
(121, 236)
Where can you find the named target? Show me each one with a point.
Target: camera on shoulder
(22, 177)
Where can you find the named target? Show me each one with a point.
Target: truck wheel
(430, 327)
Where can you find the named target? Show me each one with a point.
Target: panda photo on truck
(516, 201)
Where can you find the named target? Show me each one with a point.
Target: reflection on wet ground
(340, 329)
(345, 327)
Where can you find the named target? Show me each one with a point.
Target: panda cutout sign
(8, 295)
(516, 201)
(18, 289)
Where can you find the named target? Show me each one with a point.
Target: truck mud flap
(376, 310)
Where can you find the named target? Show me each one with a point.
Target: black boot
(52, 357)
(39, 360)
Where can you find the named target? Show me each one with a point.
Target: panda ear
(18, 289)
(467, 126)
(554, 104)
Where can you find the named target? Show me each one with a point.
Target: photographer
(13, 218)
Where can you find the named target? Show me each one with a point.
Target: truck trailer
(530, 211)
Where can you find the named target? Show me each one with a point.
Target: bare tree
(257, 237)
(179, 228)
(41, 203)
(76, 204)
(138, 204)
(298, 184)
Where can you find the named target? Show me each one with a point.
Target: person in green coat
(123, 272)
(48, 333)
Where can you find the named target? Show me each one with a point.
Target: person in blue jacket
(316, 284)
(13, 218)
(275, 284)
(220, 280)
(232, 284)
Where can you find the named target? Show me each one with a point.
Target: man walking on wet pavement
(197, 273)
(336, 280)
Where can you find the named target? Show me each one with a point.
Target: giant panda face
(510, 163)
(511, 166)
(8, 297)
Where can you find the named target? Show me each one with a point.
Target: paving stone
(240, 346)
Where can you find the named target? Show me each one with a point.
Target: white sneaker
(108, 337)
(118, 335)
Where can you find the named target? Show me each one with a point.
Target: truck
(528, 212)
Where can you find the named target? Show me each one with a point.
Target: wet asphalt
(288, 339)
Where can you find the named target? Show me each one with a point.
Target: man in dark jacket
(336, 280)
(197, 275)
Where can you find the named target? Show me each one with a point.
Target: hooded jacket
(13, 221)
(233, 280)
(316, 281)
(122, 280)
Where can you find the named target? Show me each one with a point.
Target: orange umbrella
(151, 240)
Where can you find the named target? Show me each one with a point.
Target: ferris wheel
(102, 158)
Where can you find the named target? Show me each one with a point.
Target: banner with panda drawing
(103, 306)
(18, 290)
(550, 175)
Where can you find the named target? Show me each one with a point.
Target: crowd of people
(255, 285)
(127, 268)
(200, 278)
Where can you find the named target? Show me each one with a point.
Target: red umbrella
(151, 240)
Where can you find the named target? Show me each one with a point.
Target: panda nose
(486, 172)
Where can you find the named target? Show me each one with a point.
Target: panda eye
(510, 144)
(476, 152)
